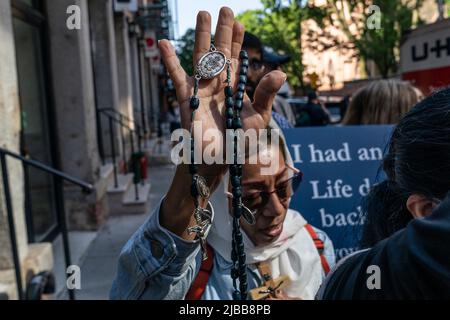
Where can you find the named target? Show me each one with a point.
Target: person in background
(314, 113)
(273, 61)
(410, 211)
(417, 167)
(381, 102)
(344, 106)
(258, 68)
(173, 114)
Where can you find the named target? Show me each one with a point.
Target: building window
(36, 132)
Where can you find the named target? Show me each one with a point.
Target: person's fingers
(238, 38)
(173, 66)
(224, 31)
(202, 35)
(266, 91)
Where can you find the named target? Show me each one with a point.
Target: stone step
(123, 183)
(116, 194)
(137, 194)
(106, 171)
(129, 203)
(106, 176)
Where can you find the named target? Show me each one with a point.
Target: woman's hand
(177, 209)
(228, 39)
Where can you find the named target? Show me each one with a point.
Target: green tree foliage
(380, 25)
(185, 48)
(278, 26)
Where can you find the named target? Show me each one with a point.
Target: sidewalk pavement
(99, 264)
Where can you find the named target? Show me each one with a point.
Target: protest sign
(340, 164)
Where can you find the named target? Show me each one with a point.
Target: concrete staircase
(125, 197)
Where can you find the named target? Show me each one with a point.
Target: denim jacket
(156, 264)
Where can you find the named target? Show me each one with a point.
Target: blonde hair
(382, 102)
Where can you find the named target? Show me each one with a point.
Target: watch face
(202, 188)
(211, 64)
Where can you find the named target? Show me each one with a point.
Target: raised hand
(177, 208)
(228, 39)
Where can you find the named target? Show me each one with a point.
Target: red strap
(199, 285)
(319, 246)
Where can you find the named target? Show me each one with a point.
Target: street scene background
(87, 110)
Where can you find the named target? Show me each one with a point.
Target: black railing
(58, 177)
(118, 122)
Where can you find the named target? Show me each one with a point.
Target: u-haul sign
(425, 56)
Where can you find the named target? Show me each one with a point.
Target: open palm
(228, 39)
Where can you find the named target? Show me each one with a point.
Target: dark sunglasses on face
(256, 65)
(255, 199)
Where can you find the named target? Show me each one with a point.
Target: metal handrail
(112, 118)
(36, 164)
(122, 116)
(59, 176)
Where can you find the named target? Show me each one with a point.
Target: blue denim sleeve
(156, 264)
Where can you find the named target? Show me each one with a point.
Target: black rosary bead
(194, 190)
(243, 284)
(242, 268)
(241, 87)
(236, 170)
(243, 71)
(229, 113)
(192, 151)
(243, 79)
(243, 54)
(192, 168)
(234, 274)
(235, 181)
(244, 63)
(239, 95)
(239, 237)
(237, 123)
(194, 103)
(229, 102)
(238, 105)
(228, 91)
(237, 212)
(229, 123)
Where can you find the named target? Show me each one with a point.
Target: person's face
(270, 207)
(256, 71)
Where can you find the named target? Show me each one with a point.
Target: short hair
(312, 95)
(251, 42)
(381, 102)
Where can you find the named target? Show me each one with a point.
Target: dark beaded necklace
(239, 269)
(233, 108)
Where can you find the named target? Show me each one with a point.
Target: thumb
(266, 91)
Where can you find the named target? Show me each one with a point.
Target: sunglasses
(256, 65)
(255, 199)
